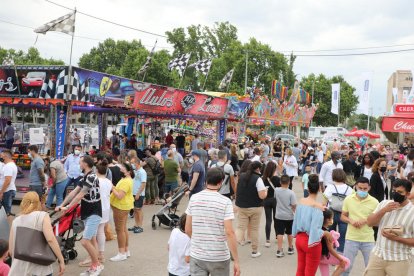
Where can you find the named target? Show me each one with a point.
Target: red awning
(398, 124)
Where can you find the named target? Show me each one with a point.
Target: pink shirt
(4, 269)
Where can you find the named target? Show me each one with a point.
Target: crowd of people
(365, 206)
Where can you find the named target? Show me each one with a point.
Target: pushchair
(167, 214)
(67, 228)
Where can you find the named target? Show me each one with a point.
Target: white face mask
(30, 155)
(174, 149)
(191, 160)
(77, 152)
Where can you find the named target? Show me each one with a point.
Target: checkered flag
(61, 85)
(64, 24)
(48, 89)
(147, 62)
(226, 80)
(80, 92)
(8, 61)
(179, 63)
(202, 66)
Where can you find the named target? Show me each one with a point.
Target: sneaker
(291, 251)
(128, 254)
(119, 257)
(96, 271)
(132, 228)
(280, 254)
(138, 230)
(256, 254)
(267, 244)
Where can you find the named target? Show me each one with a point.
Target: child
(4, 253)
(179, 251)
(285, 208)
(329, 254)
(305, 180)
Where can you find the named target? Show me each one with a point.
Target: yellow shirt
(358, 210)
(127, 202)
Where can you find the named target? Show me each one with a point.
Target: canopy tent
(398, 123)
(361, 132)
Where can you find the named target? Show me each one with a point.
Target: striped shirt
(209, 210)
(391, 250)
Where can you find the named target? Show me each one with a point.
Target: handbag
(396, 230)
(31, 246)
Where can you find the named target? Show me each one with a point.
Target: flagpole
(245, 74)
(184, 72)
(145, 74)
(73, 35)
(204, 85)
(339, 105)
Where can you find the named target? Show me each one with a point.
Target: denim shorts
(91, 227)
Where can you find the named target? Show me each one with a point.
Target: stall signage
(404, 108)
(222, 131)
(61, 113)
(397, 124)
(157, 99)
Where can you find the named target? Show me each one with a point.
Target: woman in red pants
(307, 228)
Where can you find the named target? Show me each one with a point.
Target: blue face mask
(134, 167)
(362, 194)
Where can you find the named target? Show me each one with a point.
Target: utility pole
(313, 90)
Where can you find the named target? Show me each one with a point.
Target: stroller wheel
(73, 254)
(173, 223)
(154, 226)
(65, 256)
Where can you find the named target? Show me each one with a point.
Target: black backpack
(157, 168)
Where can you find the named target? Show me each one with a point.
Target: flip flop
(85, 263)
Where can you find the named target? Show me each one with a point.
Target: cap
(196, 152)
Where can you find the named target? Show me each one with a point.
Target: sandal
(85, 263)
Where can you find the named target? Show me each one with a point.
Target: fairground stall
(402, 122)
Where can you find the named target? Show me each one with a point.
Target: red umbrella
(361, 132)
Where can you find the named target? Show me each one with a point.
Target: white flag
(64, 24)
(410, 98)
(395, 95)
(335, 98)
(364, 92)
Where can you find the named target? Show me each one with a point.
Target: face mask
(174, 149)
(398, 197)
(134, 167)
(77, 152)
(362, 194)
(122, 175)
(396, 159)
(191, 160)
(308, 171)
(30, 155)
(383, 169)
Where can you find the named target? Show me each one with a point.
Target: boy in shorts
(140, 181)
(285, 208)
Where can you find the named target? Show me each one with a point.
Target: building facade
(402, 80)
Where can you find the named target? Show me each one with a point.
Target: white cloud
(285, 25)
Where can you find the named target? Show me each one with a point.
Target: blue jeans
(58, 191)
(181, 151)
(73, 181)
(342, 226)
(8, 200)
(351, 251)
(318, 167)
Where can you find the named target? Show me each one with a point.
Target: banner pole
(205, 81)
(73, 35)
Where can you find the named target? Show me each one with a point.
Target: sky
(284, 25)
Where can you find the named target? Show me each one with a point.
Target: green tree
(323, 96)
(31, 57)
(361, 121)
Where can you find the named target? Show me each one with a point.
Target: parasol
(361, 132)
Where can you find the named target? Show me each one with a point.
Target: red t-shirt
(169, 140)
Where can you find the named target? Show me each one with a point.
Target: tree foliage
(323, 96)
(361, 121)
(31, 57)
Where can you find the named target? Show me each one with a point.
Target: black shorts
(283, 227)
(139, 203)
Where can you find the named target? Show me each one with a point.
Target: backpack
(337, 200)
(227, 179)
(157, 168)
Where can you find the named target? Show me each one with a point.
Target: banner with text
(61, 114)
(335, 98)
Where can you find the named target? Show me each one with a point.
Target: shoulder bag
(31, 246)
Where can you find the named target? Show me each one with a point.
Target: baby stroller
(66, 228)
(167, 215)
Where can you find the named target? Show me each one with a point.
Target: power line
(107, 21)
(347, 49)
(357, 54)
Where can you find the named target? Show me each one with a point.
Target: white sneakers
(256, 254)
(128, 254)
(93, 271)
(267, 244)
(119, 257)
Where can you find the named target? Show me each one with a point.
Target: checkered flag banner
(80, 92)
(8, 61)
(147, 62)
(226, 80)
(64, 24)
(179, 63)
(202, 66)
(48, 89)
(61, 85)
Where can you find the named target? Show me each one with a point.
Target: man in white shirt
(229, 180)
(8, 176)
(257, 156)
(325, 177)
